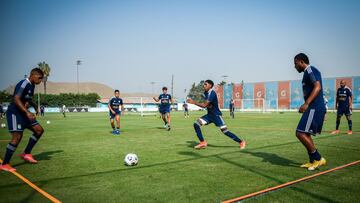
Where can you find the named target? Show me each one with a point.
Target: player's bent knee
(224, 129)
(197, 124)
(38, 130)
(201, 121)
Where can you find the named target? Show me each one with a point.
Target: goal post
(260, 105)
(143, 106)
(250, 105)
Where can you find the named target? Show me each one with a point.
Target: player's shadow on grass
(273, 159)
(41, 157)
(47, 155)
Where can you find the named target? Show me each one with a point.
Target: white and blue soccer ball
(3, 125)
(131, 159)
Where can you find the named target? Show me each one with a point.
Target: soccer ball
(131, 159)
(47, 122)
(3, 125)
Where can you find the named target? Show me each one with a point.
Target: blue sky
(128, 44)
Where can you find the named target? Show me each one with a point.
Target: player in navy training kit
(19, 118)
(114, 111)
(186, 110)
(232, 108)
(165, 107)
(213, 116)
(343, 106)
(313, 110)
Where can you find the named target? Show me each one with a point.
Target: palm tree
(46, 70)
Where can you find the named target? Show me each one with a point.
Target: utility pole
(78, 63)
(172, 85)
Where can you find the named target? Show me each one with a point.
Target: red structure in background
(220, 95)
(259, 93)
(284, 95)
(237, 95)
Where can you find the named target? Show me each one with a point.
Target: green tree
(197, 91)
(46, 69)
(5, 97)
(70, 99)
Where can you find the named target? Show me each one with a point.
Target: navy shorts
(117, 112)
(342, 111)
(164, 110)
(18, 122)
(311, 121)
(217, 120)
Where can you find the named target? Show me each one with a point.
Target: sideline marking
(289, 183)
(47, 195)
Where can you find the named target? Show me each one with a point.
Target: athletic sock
(337, 124)
(232, 136)
(32, 141)
(10, 149)
(198, 132)
(315, 156)
(350, 124)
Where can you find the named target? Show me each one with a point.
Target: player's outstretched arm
(202, 105)
(156, 99)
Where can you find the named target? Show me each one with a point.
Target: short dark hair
(37, 71)
(302, 57)
(210, 82)
(116, 91)
(164, 88)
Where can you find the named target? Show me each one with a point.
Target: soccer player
(213, 116)
(165, 107)
(115, 112)
(313, 110)
(186, 110)
(42, 110)
(343, 106)
(326, 107)
(63, 110)
(232, 108)
(19, 118)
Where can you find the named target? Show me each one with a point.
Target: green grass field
(81, 161)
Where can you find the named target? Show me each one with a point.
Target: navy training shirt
(343, 94)
(213, 108)
(25, 90)
(115, 102)
(312, 75)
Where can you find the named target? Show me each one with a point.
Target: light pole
(78, 63)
